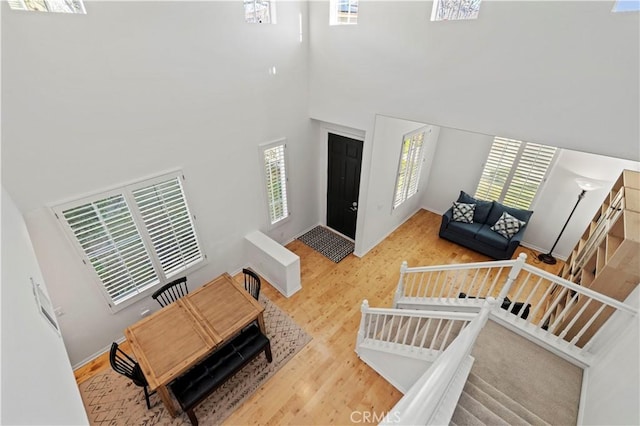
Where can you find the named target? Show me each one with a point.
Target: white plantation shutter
(410, 166)
(497, 169)
(134, 238)
(276, 178)
(109, 237)
(530, 173)
(514, 171)
(168, 222)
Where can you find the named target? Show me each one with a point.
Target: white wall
(460, 158)
(563, 73)
(38, 386)
(378, 218)
(559, 194)
(613, 382)
(134, 89)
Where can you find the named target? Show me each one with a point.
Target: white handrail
(583, 290)
(422, 313)
(423, 400)
(457, 266)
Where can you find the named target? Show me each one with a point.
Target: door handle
(354, 207)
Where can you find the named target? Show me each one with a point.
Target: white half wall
(38, 386)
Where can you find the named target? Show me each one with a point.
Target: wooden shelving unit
(606, 259)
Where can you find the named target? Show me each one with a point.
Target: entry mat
(327, 243)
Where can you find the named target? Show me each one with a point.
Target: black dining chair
(128, 367)
(171, 292)
(252, 283)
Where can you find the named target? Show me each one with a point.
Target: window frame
(51, 6)
(523, 149)
(437, 6)
(263, 171)
(352, 17)
(271, 8)
(414, 168)
(126, 191)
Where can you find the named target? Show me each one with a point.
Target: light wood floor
(326, 382)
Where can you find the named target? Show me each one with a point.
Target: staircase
(482, 404)
(522, 368)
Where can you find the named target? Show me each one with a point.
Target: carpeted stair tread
(526, 416)
(480, 411)
(493, 404)
(537, 379)
(461, 416)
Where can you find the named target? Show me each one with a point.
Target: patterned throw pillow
(507, 225)
(463, 212)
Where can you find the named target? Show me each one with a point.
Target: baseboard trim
(95, 355)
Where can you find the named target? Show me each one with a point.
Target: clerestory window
(260, 11)
(343, 12)
(59, 6)
(455, 10)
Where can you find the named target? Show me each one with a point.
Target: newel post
(400, 289)
(364, 308)
(513, 274)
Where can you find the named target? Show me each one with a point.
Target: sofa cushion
(468, 230)
(498, 209)
(507, 225)
(487, 236)
(463, 212)
(482, 207)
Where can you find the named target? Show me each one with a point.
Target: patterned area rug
(112, 399)
(327, 243)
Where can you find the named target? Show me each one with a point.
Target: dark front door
(343, 183)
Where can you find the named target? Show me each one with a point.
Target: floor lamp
(585, 186)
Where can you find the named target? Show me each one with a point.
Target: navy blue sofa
(477, 235)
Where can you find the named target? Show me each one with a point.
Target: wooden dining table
(170, 341)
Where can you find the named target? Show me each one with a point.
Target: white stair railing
(561, 313)
(432, 399)
(414, 331)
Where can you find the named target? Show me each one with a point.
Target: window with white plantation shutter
(135, 237)
(168, 222)
(411, 158)
(514, 171)
(276, 181)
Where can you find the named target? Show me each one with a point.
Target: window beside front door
(410, 166)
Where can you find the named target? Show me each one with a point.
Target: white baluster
(513, 274)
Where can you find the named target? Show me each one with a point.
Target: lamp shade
(586, 185)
